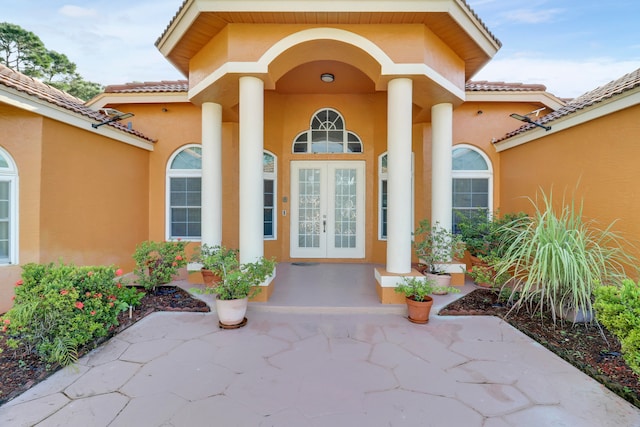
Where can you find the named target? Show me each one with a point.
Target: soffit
(451, 20)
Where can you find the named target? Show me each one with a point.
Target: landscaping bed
(20, 370)
(590, 348)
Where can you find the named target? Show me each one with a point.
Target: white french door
(327, 209)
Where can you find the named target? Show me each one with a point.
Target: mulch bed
(20, 370)
(590, 348)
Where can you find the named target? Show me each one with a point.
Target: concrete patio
(320, 366)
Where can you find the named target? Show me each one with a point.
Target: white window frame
(309, 138)
(273, 176)
(384, 177)
(474, 174)
(10, 175)
(179, 173)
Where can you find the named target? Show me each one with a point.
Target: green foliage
(23, 51)
(618, 309)
(557, 259)
(483, 233)
(59, 308)
(486, 273)
(436, 246)
(157, 263)
(237, 281)
(417, 288)
(216, 258)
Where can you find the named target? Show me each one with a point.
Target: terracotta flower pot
(209, 278)
(419, 310)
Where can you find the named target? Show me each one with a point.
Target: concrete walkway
(322, 352)
(290, 369)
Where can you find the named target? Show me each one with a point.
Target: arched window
(8, 209)
(184, 183)
(472, 182)
(327, 133)
(269, 171)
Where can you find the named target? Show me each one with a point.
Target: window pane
(3, 162)
(185, 203)
(189, 158)
(383, 209)
(268, 163)
(468, 159)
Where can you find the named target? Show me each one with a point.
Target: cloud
(563, 78)
(531, 16)
(77, 11)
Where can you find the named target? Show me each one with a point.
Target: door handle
(324, 226)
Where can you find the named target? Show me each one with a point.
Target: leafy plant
(417, 288)
(483, 232)
(618, 309)
(487, 274)
(157, 263)
(237, 281)
(436, 246)
(557, 258)
(216, 258)
(59, 308)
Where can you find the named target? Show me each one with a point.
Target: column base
(386, 282)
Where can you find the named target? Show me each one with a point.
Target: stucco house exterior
(306, 131)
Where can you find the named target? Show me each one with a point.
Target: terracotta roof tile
(600, 94)
(37, 89)
(485, 86)
(149, 87)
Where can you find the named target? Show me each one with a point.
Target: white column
(399, 124)
(211, 218)
(251, 180)
(441, 145)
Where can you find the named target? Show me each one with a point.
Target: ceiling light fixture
(114, 116)
(527, 119)
(327, 77)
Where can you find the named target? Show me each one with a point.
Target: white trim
(52, 111)
(543, 98)
(178, 173)
(11, 175)
(384, 177)
(137, 98)
(461, 14)
(274, 177)
(388, 67)
(473, 174)
(601, 109)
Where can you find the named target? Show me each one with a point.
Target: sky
(570, 46)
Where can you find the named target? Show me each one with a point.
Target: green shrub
(158, 262)
(618, 309)
(557, 258)
(59, 308)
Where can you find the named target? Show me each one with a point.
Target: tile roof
(600, 94)
(485, 86)
(42, 91)
(149, 87)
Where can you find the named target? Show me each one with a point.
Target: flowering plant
(158, 262)
(436, 246)
(60, 308)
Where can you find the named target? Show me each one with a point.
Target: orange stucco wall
(20, 137)
(401, 43)
(596, 161)
(94, 197)
(83, 198)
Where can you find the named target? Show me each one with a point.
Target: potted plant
(435, 246)
(557, 259)
(416, 291)
(157, 263)
(238, 282)
(213, 259)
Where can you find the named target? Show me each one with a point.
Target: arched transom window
(327, 133)
(472, 182)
